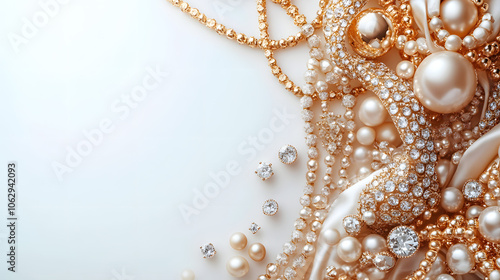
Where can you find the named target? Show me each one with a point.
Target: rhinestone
(288, 154)
(403, 241)
(393, 200)
(352, 225)
(254, 228)
(379, 196)
(264, 170)
(348, 101)
(405, 205)
(389, 84)
(402, 122)
(208, 251)
(403, 187)
(472, 190)
(390, 186)
(270, 207)
(384, 262)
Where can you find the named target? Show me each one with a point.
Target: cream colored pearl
(372, 112)
(445, 277)
(410, 47)
(494, 275)
(331, 236)
(452, 200)
(362, 154)
(237, 266)
(405, 69)
(480, 34)
(469, 42)
(444, 172)
(489, 224)
(257, 252)
(369, 217)
(349, 249)
(435, 24)
(375, 274)
(238, 241)
(366, 135)
(187, 275)
(474, 212)
(373, 29)
(388, 132)
(459, 16)
(453, 43)
(459, 259)
(445, 82)
(374, 243)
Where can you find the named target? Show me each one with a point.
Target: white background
(116, 215)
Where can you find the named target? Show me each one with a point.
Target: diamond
(472, 190)
(287, 154)
(208, 251)
(384, 262)
(390, 186)
(254, 228)
(270, 207)
(264, 170)
(403, 241)
(352, 225)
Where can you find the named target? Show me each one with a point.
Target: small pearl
(372, 112)
(405, 69)
(452, 200)
(495, 275)
(362, 154)
(366, 136)
(375, 274)
(410, 47)
(238, 241)
(331, 236)
(257, 252)
(489, 224)
(445, 277)
(374, 243)
(400, 42)
(388, 132)
(474, 212)
(237, 266)
(435, 24)
(187, 275)
(469, 42)
(369, 217)
(349, 249)
(487, 25)
(459, 259)
(453, 43)
(480, 34)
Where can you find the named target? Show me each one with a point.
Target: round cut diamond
(208, 250)
(287, 154)
(264, 170)
(472, 190)
(270, 207)
(384, 262)
(352, 225)
(403, 241)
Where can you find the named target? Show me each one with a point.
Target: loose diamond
(264, 170)
(352, 225)
(403, 241)
(270, 207)
(472, 190)
(384, 262)
(287, 154)
(208, 251)
(254, 228)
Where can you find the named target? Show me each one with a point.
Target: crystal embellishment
(403, 241)
(287, 154)
(264, 170)
(384, 262)
(352, 225)
(254, 228)
(472, 190)
(270, 207)
(208, 251)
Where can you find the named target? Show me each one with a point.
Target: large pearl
(187, 275)
(257, 252)
(405, 69)
(388, 132)
(459, 16)
(349, 249)
(372, 112)
(459, 259)
(374, 243)
(489, 224)
(366, 135)
(494, 275)
(452, 200)
(238, 241)
(445, 82)
(237, 266)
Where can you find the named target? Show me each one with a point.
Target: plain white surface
(116, 215)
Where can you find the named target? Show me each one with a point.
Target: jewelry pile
(403, 161)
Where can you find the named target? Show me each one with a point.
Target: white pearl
(444, 172)
(375, 274)
(400, 42)
(363, 172)
(459, 259)
(435, 24)
(494, 275)
(237, 266)
(469, 42)
(452, 200)
(349, 249)
(373, 28)
(487, 25)
(325, 66)
(459, 16)
(445, 277)
(366, 136)
(238, 241)
(388, 132)
(331, 236)
(374, 243)
(489, 224)
(372, 111)
(474, 212)
(445, 82)
(405, 69)
(480, 34)
(442, 34)
(410, 47)
(187, 275)
(453, 43)
(362, 154)
(369, 217)
(422, 45)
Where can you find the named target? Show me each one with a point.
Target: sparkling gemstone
(472, 190)
(348, 101)
(208, 250)
(270, 207)
(352, 225)
(264, 170)
(403, 241)
(254, 228)
(287, 154)
(290, 273)
(390, 186)
(384, 262)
